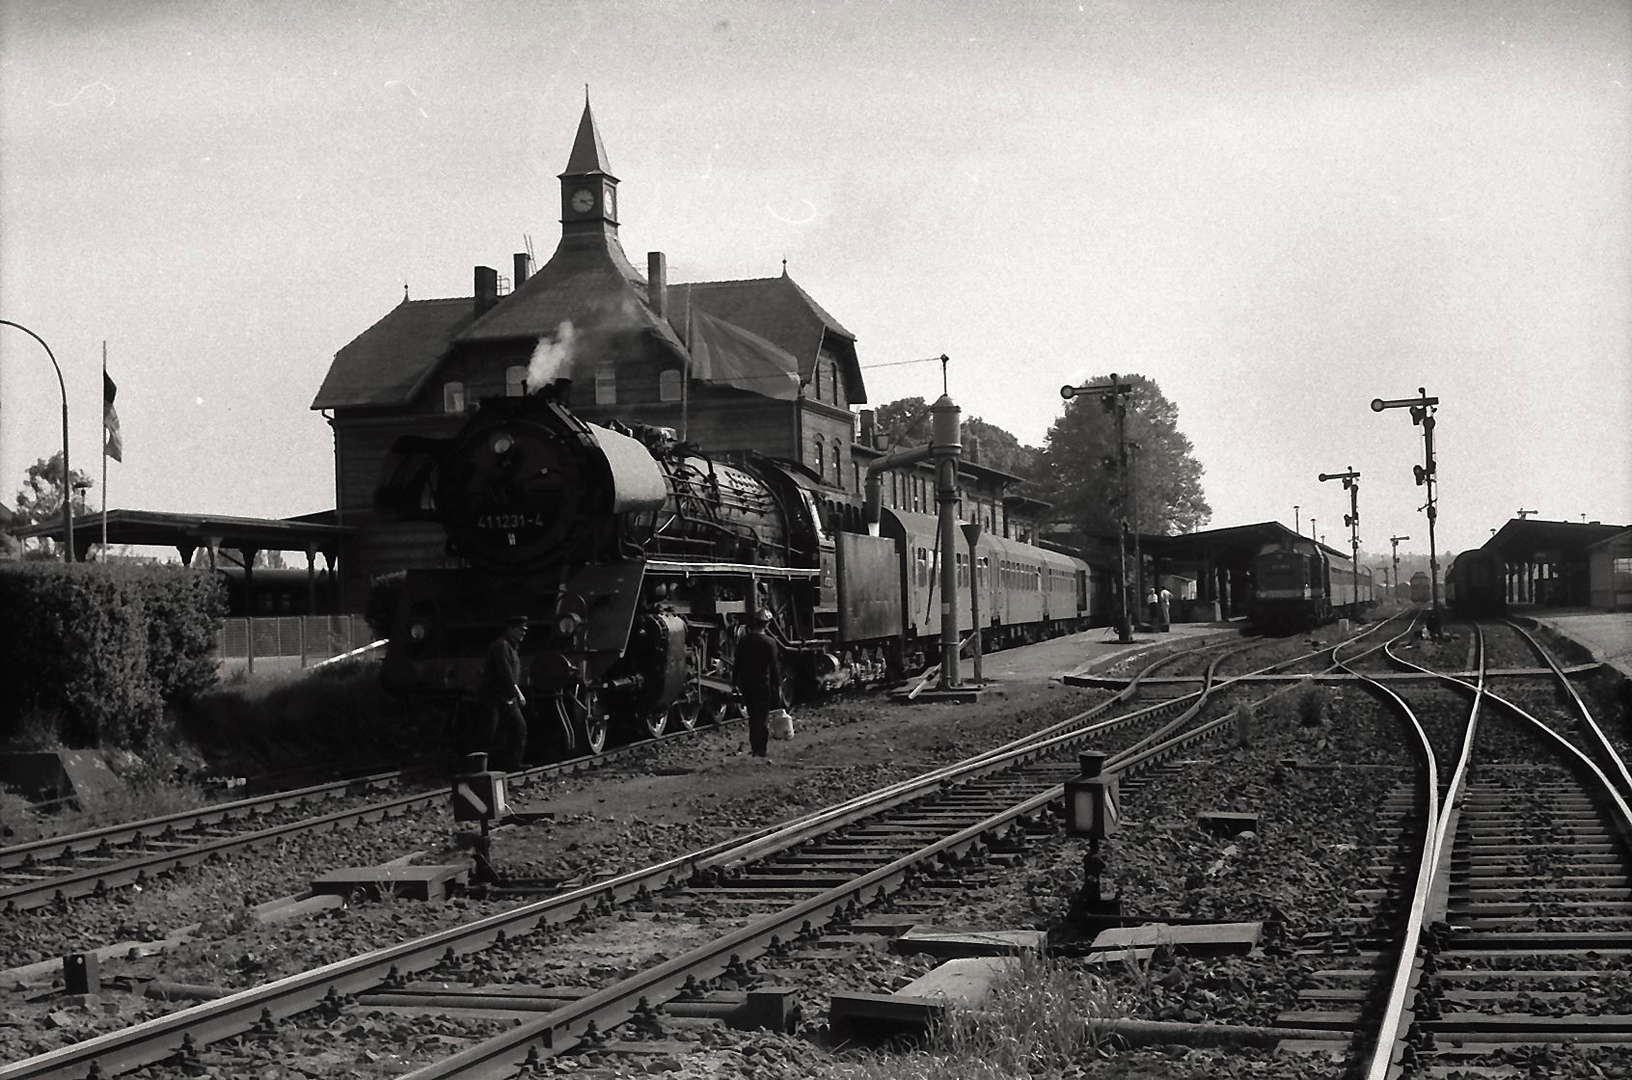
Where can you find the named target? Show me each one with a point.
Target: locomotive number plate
(506, 522)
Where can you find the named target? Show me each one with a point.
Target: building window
(515, 381)
(606, 383)
(838, 463)
(1623, 567)
(816, 376)
(821, 458)
(668, 385)
(453, 397)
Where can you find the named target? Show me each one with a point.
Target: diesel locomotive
(637, 560)
(1298, 583)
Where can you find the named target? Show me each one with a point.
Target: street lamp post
(1395, 540)
(1351, 481)
(1422, 414)
(1113, 395)
(67, 496)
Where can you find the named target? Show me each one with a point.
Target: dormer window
(668, 385)
(515, 381)
(453, 397)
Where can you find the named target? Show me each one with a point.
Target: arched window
(515, 381)
(668, 385)
(833, 381)
(606, 383)
(453, 397)
(838, 462)
(816, 375)
(821, 460)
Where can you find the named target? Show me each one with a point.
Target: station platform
(1606, 634)
(1096, 650)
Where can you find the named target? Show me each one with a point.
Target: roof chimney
(657, 283)
(524, 267)
(487, 288)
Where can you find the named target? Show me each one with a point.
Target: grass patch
(1042, 1018)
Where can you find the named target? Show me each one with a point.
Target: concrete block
(409, 882)
(952, 944)
(1206, 939)
(911, 1011)
(1227, 822)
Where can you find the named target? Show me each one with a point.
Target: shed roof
(1523, 539)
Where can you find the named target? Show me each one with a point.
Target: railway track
(779, 887)
(1509, 945)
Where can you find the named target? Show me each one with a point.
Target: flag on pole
(113, 447)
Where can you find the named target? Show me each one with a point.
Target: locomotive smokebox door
(478, 794)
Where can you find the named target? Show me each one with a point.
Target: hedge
(103, 647)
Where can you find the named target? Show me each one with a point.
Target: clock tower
(589, 191)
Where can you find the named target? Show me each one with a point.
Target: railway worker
(1166, 602)
(501, 694)
(757, 677)
(1150, 606)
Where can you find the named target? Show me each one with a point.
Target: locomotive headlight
(418, 631)
(567, 623)
(502, 443)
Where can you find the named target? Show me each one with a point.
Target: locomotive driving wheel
(687, 709)
(654, 722)
(586, 722)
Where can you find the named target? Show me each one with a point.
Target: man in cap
(501, 694)
(757, 677)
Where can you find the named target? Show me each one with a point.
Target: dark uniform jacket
(758, 668)
(500, 672)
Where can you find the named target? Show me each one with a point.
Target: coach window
(668, 385)
(921, 567)
(606, 383)
(453, 397)
(963, 570)
(515, 381)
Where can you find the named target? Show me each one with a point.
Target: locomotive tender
(1298, 583)
(637, 559)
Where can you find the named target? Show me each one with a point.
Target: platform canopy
(315, 534)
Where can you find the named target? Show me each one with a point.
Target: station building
(753, 364)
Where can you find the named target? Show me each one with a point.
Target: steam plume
(551, 358)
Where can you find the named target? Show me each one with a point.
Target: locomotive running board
(686, 569)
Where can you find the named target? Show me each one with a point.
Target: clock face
(583, 200)
(606, 201)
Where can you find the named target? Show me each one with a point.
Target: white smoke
(551, 359)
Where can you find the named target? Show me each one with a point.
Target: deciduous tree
(1078, 468)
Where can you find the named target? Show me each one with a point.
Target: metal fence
(290, 641)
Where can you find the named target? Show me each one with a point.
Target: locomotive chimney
(657, 283)
(524, 267)
(487, 288)
(563, 391)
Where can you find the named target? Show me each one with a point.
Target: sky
(1277, 211)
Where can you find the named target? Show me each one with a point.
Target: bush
(103, 648)
(381, 610)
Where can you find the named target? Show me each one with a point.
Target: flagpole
(104, 454)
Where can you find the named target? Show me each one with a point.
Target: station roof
(189, 532)
(1228, 546)
(1532, 540)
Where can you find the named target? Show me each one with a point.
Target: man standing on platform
(501, 695)
(757, 677)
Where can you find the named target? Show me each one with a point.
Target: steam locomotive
(1297, 583)
(637, 560)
